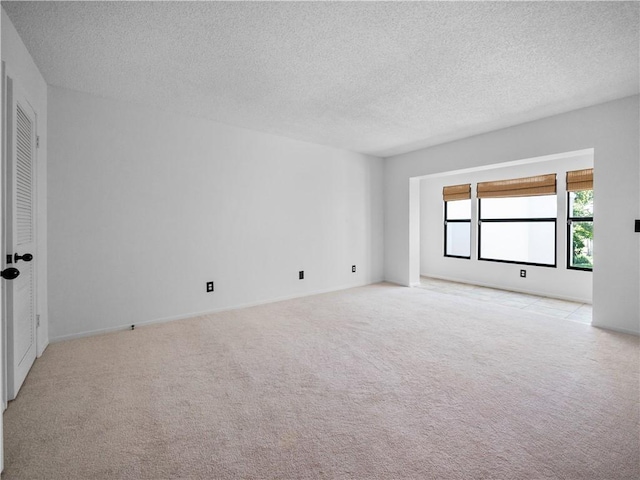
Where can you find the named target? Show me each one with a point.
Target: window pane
(581, 245)
(544, 206)
(458, 210)
(458, 239)
(530, 242)
(581, 203)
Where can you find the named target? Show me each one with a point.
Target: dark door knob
(27, 257)
(10, 273)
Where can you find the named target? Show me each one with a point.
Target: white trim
(3, 389)
(513, 163)
(617, 330)
(44, 347)
(517, 290)
(208, 312)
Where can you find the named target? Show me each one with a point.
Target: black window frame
(553, 220)
(571, 219)
(446, 221)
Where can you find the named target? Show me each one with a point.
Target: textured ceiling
(374, 77)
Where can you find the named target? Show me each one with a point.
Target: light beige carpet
(379, 382)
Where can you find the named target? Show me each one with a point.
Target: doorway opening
(436, 241)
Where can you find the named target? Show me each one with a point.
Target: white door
(20, 238)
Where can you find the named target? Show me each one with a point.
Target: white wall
(611, 129)
(146, 206)
(22, 69)
(557, 282)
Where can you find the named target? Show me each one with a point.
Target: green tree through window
(581, 229)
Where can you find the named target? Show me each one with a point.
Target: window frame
(553, 220)
(571, 219)
(446, 221)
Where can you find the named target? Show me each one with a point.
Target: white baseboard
(617, 330)
(100, 331)
(509, 289)
(41, 350)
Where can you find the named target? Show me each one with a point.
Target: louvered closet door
(21, 240)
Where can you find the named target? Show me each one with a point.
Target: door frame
(2, 249)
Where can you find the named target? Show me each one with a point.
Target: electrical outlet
(301, 274)
(353, 269)
(209, 286)
(523, 273)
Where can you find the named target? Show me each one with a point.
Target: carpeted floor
(378, 382)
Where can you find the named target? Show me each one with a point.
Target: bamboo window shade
(580, 180)
(519, 187)
(456, 192)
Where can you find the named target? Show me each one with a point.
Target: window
(517, 221)
(580, 219)
(457, 221)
